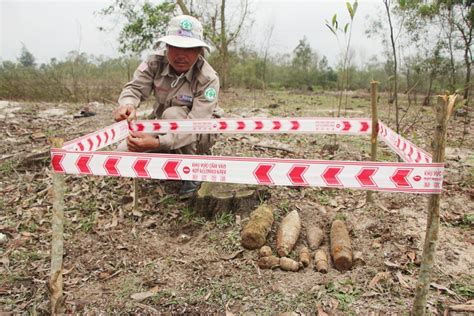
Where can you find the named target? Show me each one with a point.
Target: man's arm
(135, 91)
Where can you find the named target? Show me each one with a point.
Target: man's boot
(188, 188)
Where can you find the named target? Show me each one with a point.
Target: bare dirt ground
(165, 258)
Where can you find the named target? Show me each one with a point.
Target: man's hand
(141, 142)
(125, 112)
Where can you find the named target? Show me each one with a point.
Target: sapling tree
(335, 27)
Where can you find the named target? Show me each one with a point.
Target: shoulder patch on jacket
(210, 94)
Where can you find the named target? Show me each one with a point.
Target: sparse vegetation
(224, 220)
(465, 286)
(7, 168)
(468, 220)
(87, 223)
(188, 214)
(112, 252)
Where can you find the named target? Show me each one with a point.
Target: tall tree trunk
(183, 7)
(264, 71)
(452, 63)
(467, 38)
(467, 96)
(395, 66)
(224, 51)
(467, 84)
(427, 100)
(75, 88)
(408, 87)
(265, 56)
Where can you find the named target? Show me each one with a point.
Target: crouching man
(185, 86)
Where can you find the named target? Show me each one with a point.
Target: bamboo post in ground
(55, 284)
(443, 110)
(373, 140)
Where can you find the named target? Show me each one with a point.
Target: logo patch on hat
(210, 94)
(186, 25)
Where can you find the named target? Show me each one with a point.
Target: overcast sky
(53, 28)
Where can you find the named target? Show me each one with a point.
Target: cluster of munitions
(254, 236)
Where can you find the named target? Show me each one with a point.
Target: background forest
(427, 49)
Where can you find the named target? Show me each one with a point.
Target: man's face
(182, 59)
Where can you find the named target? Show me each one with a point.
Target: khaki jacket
(197, 90)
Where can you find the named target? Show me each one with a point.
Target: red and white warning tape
(416, 175)
(317, 125)
(378, 176)
(408, 151)
(100, 139)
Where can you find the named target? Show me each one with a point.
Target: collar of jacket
(189, 74)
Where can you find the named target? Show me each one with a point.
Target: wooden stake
(443, 111)
(136, 193)
(55, 284)
(373, 140)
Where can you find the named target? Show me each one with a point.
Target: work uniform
(192, 95)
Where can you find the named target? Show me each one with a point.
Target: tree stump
(216, 198)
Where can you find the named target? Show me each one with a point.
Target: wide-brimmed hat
(184, 31)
